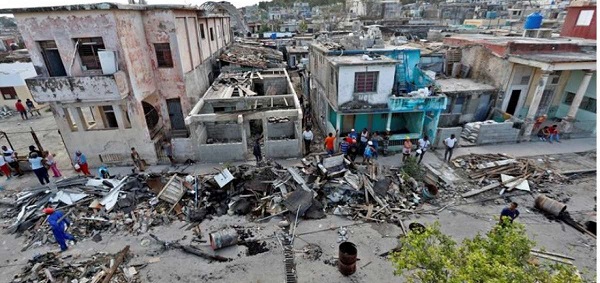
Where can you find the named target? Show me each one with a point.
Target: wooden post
(35, 139)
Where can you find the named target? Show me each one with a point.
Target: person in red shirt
(329, 142)
(553, 131)
(21, 109)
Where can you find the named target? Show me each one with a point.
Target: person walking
(59, 224)
(257, 151)
(308, 136)
(450, 143)
(168, 150)
(4, 168)
(52, 164)
(422, 146)
(10, 156)
(406, 148)
(37, 165)
(21, 109)
(329, 143)
(510, 213)
(137, 160)
(81, 162)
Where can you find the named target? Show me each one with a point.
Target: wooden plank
(119, 259)
(487, 188)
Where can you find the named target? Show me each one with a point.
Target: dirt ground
(460, 219)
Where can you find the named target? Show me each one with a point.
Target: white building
(12, 82)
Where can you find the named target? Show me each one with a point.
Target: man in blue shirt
(511, 212)
(59, 227)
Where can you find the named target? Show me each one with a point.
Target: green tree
(302, 27)
(502, 255)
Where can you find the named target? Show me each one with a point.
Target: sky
(40, 3)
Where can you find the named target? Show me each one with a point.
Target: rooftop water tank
(533, 21)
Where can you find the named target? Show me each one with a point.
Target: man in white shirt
(307, 136)
(450, 144)
(423, 145)
(11, 159)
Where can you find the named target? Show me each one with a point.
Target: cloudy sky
(38, 3)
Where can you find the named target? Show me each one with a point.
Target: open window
(8, 93)
(164, 58)
(88, 52)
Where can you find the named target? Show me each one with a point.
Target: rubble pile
(135, 203)
(501, 170)
(100, 267)
(253, 56)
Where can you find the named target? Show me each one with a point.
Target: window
(365, 81)
(163, 55)
(585, 18)
(202, 35)
(8, 92)
(212, 36)
(108, 117)
(569, 98)
(525, 80)
(588, 104)
(88, 52)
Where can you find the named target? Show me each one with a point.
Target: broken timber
(173, 191)
(490, 187)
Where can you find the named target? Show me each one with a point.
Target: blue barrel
(533, 21)
(491, 15)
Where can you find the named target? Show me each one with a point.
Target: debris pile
(253, 56)
(501, 170)
(135, 203)
(100, 267)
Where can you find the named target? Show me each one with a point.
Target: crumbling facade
(238, 109)
(120, 76)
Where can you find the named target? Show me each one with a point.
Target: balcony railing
(84, 88)
(417, 103)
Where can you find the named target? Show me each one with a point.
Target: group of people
(549, 134)
(39, 161)
(23, 111)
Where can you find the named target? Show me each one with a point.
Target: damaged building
(238, 109)
(119, 76)
(363, 82)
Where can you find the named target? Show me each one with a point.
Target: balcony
(79, 89)
(417, 103)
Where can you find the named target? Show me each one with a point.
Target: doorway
(52, 59)
(513, 102)
(175, 114)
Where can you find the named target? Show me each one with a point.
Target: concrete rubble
(246, 55)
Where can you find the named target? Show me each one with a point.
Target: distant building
(581, 20)
(12, 80)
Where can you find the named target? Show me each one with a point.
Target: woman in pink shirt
(52, 163)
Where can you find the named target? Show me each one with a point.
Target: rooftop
(505, 40)
(360, 60)
(98, 6)
(461, 85)
(559, 57)
(296, 49)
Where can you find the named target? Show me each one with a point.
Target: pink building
(119, 76)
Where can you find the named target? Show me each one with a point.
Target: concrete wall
(282, 148)
(444, 133)
(220, 152)
(485, 66)
(279, 130)
(183, 149)
(110, 141)
(572, 86)
(497, 133)
(71, 89)
(279, 85)
(224, 131)
(385, 83)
